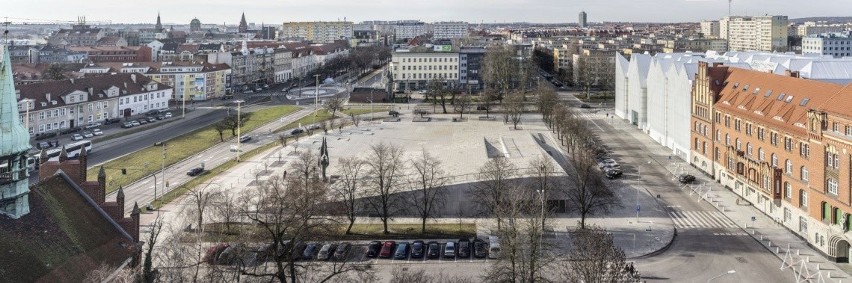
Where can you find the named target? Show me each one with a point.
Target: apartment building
(782, 143)
(759, 33)
(316, 32)
(814, 28)
(56, 105)
(78, 35)
(409, 29)
(710, 29)
(413, 69)
(832, 44)
(449, 30)
(115, 53)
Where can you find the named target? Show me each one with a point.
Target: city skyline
(545, 11)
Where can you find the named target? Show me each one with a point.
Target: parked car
(195, 171)
(585, 106)
(167, 115)
(160, 117)
(342, 251)
(76, 137)
(245, 138)
(142, 121)
(112, 121)
(418, 248)
(88, 134)
(297, 131)
(127, 125)
(450, 249)
(393, 113)
(93, 125)
(464, 248)
(686, 178)
(387, 249)
(43, 145)
(326, 252)
(433, 250)
(97, 132)
(373, 248)
(480, 248)
(613, 173)
(248, 91)
(152, 119)
(310, 251)
(135, 123)
(401, 250)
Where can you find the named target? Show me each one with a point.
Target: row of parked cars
(87, 134)
(146, 120)
(418, 249)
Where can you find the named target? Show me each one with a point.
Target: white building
(316, 32)
(409, 29)
(760, 33)
(449, 30)
(414, 69)
(710, 29)
(832, 44)
(55, 105)
(814, 28)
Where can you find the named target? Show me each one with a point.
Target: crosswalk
(700, 219)
(731, 234)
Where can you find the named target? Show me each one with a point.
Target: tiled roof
(99, 85)
(777, 100)
(64, 236)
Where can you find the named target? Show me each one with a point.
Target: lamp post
(162, 172)
(239, 103)
(732, 271)
(316, 97)
(540, 236)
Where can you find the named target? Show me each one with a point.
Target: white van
(493, 247)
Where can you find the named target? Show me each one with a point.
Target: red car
(387, 249)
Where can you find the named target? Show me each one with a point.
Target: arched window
(774, 160)
(760, 154)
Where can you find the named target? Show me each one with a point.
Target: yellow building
(316, 32)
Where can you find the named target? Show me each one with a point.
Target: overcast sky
(474, 11)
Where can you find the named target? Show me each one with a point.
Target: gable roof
(124, 82)
(64, 236)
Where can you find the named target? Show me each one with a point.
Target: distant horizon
(473, 11)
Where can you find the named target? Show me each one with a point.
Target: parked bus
(72, 149)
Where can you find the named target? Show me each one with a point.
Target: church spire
(243, 24)
(159, 25)
(14, 145)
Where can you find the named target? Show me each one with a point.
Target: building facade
(56, 105)
(415, 69)
(782, 143)
(710, 29)
(582, 19)
(115, 53)
(815, 28)
(449, 30)
(79, 35)
(193, 81)
(759, 33)
(409, 29)
(316, 32)
(832, 44)
(471, 60)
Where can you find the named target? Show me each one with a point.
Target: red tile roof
(99, 85)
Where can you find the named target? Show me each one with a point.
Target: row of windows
(430, 59)
(430, 68)
(431, 76)
(804, 148)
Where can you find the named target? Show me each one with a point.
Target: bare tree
(282, 139)
(385, 165)
(334, 104)
(462, 103)
(522, 250)
(546, 102)
(227, 209)
(544, 182)
(588, 193)
(400, 275)
(439, 93)
(514, 105)
(429, 178)
(231, 122)
(305, 167)
(355, 119)
(332, 124)
(498, 71)
(201, 198)
(107, 273)
(495, 178)
(595, 258)
(220, 128)
(148, 273)
(324, 126)
(348, 187)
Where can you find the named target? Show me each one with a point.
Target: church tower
(14, 144)
(243, 24)
(159, 25)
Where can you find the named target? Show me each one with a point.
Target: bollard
(761, 237)
(797, 252)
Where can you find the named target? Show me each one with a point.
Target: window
(738, 144)
(787, 214)
(737, 125)
(831, 186)
(748, 129)
(832, 160)
(727, 139)
(788, 190)
(748, 149)
(760, 133)
(774, 160)
(803, 225)
(773, 138)
(804, 150)
(788, 167)
(760, 154)
(788, 144)
(804, 172)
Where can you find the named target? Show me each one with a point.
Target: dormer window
(736, 85)
(745, 88)
(781, 96)
(768, 93)
(756, 90)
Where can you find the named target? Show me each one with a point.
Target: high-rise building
(710, 29)
(760, 33)
(582, 20)
(449, 30)
(409, 29)
(317, 32)
(14, 145)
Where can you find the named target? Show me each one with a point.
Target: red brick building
(115, 53)
(781, 142)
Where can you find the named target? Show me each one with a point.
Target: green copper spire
(14, 139)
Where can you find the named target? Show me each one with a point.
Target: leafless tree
(385, 165)
(438, 91)
(546, 102)
(332, 124)
(514, 105)
(348, 187)
(429, 178)
(588, 193)
(462, 103)
(227, 209)
(544, 182)
(220, 128)
(495, 178)
(498, 71)
(400, 275)
(334, 104)
(595, 258)
(305, 167)
(201, 198)
(522, 250)
(355, 119)
(231, 122)
(282, 139)
(148, 272)
(107, 273)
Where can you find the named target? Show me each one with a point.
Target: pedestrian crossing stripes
(730, 234)
(700, 219)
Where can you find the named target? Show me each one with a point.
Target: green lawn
(148, 160)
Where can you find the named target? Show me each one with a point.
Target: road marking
(700, 219)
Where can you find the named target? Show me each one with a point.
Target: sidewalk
(790, 249)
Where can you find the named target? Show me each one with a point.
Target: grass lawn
(323, 115)
(148, 160)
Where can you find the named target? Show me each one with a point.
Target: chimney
(119, 199)
(133, 78)
(72, 81)
(134, 214)
(792, 74)
(102, 186)
(47, 96)
(91, 91)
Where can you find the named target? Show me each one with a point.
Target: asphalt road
(697, 253)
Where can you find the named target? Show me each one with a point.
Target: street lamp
(316, 97)
(732, 271)
(540, 236)
(239, 103)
